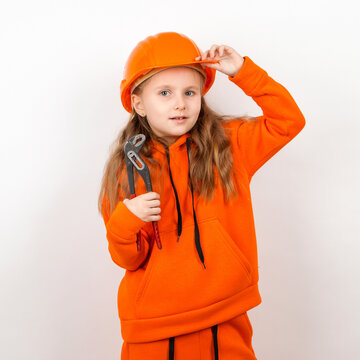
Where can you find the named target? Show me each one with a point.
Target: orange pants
(230, 340)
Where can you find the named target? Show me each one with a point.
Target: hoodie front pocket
(176, 280)
(235, 249)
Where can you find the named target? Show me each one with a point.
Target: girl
(189, 299)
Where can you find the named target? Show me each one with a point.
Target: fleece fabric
(234, 338)
(192, 285)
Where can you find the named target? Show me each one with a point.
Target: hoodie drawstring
(197, 233)
(179, 225)
(214, 330)
(197, 243)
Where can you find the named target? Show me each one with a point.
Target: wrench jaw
(142, 168)
(133, 159)
(135, 138)
(131, 150)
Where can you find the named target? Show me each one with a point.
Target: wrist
(238, 69)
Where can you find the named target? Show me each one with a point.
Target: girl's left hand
(229, 61)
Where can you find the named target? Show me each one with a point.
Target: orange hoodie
(210, 274)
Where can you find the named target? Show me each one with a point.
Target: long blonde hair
(213, 147)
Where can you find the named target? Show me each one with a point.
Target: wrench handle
(138, 235)
(138, 241)
(157, 234)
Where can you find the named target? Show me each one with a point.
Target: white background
(61, 65)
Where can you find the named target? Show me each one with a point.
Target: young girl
(188, 299)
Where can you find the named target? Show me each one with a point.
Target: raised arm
(260, 139)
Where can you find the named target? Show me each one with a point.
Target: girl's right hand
(145, 206)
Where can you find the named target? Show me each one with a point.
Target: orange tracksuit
(199, 287)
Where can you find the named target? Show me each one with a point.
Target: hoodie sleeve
(260, 139)
(121, 229)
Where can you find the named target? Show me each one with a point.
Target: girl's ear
(137, 104)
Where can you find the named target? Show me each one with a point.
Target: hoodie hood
(180, 142)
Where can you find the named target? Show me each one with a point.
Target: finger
(221, 50)
(207, 56)
(228, 49)
(155, 211)
(155, 217)
(154, 203)
(213, 50)
(204, 55)
(200, 56)
(214, 66)
(151, 195)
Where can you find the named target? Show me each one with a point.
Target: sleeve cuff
(123, 223)
(249, 76)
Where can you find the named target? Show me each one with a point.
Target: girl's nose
(179, 100)
(180, 106)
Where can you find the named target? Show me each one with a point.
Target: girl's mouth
(179, 119)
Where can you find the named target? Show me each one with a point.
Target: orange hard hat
(165, 49)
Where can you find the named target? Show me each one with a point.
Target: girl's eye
(163, 91)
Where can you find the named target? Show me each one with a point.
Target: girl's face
(172, 92)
